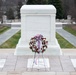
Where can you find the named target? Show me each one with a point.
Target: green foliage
(58, 5)
(18, 9)
(37, 2)
(10, 13)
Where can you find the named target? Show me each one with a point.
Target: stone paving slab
(62, 73)
(17, 65)
(57, 64)
(3, 73)
(66, 63)
(14, 73)
(37, 73)
(73, 73)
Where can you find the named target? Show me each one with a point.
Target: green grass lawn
(12, 42)
(69, 29)
(3, 29)
(63, 43)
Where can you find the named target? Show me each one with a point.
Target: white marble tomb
(38, 19)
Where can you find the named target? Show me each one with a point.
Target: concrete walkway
(68, 36)
(17, 65)
(5, 36)
(37, 73)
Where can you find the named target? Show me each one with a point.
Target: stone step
(37, 73)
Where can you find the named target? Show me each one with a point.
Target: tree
(18, 9)
(0, 9)
(69, 7)
(65, 4)
(10, 14)
(37, 2)
(58, 5)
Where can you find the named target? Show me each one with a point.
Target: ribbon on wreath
(38, 38)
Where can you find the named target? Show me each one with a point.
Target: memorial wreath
(38, 44)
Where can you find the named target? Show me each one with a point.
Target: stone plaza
(17, 65)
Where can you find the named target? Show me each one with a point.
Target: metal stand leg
(34, 60)
(44, 61)
(38, 61)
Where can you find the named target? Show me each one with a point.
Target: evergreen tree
(18, 9)
(35, 2)
(10, 14)
(58, 5)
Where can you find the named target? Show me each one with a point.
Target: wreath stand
(38, 45)
(35, 55)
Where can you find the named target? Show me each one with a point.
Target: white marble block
(38, 19)
(38, 63)
(2, 62)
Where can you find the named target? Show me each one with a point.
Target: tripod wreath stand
(38, 45)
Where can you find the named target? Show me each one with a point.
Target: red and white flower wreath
(38, 44)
